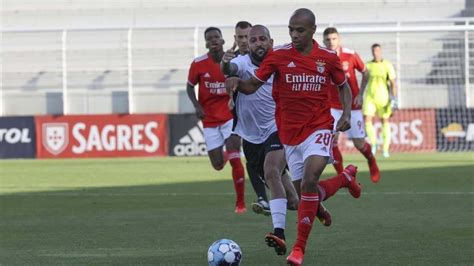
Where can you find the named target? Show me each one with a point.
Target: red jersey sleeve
(338, 76)
(267, 67)
(193, 75)
(358, 63)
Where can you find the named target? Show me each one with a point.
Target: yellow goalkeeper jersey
(379, 75)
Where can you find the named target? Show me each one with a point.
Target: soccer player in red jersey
(303, 75)
(350, 61)
(212, 108)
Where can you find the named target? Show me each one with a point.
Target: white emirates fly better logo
(305, 82)
(192, 143)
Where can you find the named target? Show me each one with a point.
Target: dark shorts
(234, 111)
(255, 153)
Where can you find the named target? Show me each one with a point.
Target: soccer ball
(224, 252)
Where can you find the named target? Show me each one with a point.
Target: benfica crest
(55, 137)
(345, 66)
(320, 67)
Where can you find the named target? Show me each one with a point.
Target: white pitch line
(175, 194)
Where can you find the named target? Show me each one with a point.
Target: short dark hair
(210, 29)
(330, 30)
(375, 45)
(305, 13)
(243, 24)
(267, 31)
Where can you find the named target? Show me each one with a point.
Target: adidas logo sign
(291, 64)
(192, 144)
(306, 220)
(207, 75)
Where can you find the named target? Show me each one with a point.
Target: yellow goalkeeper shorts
(373, 108)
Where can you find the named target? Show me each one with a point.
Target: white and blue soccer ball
(224, 252)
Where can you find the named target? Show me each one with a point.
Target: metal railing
(423, 42)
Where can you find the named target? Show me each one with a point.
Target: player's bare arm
(248, 86)
(197, 106)
(393, 94)
(359, 97)
(227, 67)
(345, 96)
(393, 88)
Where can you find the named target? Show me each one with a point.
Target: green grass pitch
(167, 211)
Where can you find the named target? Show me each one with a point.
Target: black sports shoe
(261, 206)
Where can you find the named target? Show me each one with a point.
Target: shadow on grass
(413, 216)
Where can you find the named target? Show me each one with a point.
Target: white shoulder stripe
(255, 76)
(348, 51)
(286, 46)
(327, 50)
(200, 58)
(345, 80)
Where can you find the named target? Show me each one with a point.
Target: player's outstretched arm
(393, 88)
(227, 67)
(192, 96)
(248, 86)
(345, 96)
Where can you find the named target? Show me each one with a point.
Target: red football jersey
(301, 89)
(350, 61)
(212, 93)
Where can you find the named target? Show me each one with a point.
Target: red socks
(337, 155)
(307, 209)
(238, 175)
(367, 151)
(330, 186)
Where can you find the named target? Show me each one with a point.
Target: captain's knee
(309, 184)
(272, 174)
(359, 145)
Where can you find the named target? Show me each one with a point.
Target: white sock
(278, 210)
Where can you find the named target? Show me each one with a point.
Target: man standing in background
(380, 98)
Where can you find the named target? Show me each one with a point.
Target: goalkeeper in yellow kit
(380, 98)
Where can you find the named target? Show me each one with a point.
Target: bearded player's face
(259, 43)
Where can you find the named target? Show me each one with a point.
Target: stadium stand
(109, 68)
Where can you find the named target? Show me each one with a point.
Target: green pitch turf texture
(167, 211)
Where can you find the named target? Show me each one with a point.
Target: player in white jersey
(261, 205)
(257, 128)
